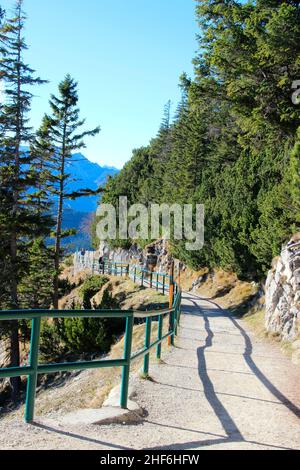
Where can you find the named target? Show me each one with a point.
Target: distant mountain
(78, 214)
(81, 222)
(86, 175)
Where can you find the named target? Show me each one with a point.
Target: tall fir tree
(64, 128)
(18, 221)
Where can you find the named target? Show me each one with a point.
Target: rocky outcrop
(283, 292)
(154, 255)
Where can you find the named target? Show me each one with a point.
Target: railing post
(156, 281)
(33, 362)
(176, 320)
(127, 356)
(147, 344)
(179, 313)
(142, 278)
(151, 280)
(134, 275)
(159, 335)
(171, 303)
(163, 289)
(171, 329)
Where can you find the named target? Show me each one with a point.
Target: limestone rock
(283, 292)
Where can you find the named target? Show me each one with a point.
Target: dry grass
(238, 296)
(217, 284)
(77, 279)
(188, 276)
(256, 321)
(221, 285)
(124, 291)
(131, 296)
(112, 377)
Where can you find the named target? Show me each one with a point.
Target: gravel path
(219, 388)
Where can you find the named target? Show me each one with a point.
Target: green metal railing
(33, 369)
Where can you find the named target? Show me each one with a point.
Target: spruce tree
(66, 134)
(17, 220)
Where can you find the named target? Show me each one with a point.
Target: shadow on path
(79, 436)
(234, 435)
(248, 356)
(220, 411)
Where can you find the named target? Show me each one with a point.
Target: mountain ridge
(86, 175)
(78, 212)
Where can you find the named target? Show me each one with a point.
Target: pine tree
(64, 127)
(42, 158)
(36, 289)
(17, 219)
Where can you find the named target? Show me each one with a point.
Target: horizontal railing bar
(149, 278)
(140, 352)
(159, 341)
(81, 365)
(155, 313)
(16, 371)
(61, 367)
(116, 264)
(149, 272)
(154, 282)
(154, 273)
(152, 313)
(143, 352)
(30, 314)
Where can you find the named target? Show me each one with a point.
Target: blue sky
(126, 55)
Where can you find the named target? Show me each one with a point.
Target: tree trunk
(14, 325)
(58, 230)
(14, 334)
(15, 360)
(57, 249)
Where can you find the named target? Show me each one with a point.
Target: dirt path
(219, 388)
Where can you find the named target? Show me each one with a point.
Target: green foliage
(51, 344)
(65, 287)
(92, 334)
(63, 130)
(233, 143)
(90, 287)
(20, 221)
(295, 178)
(36, 286)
